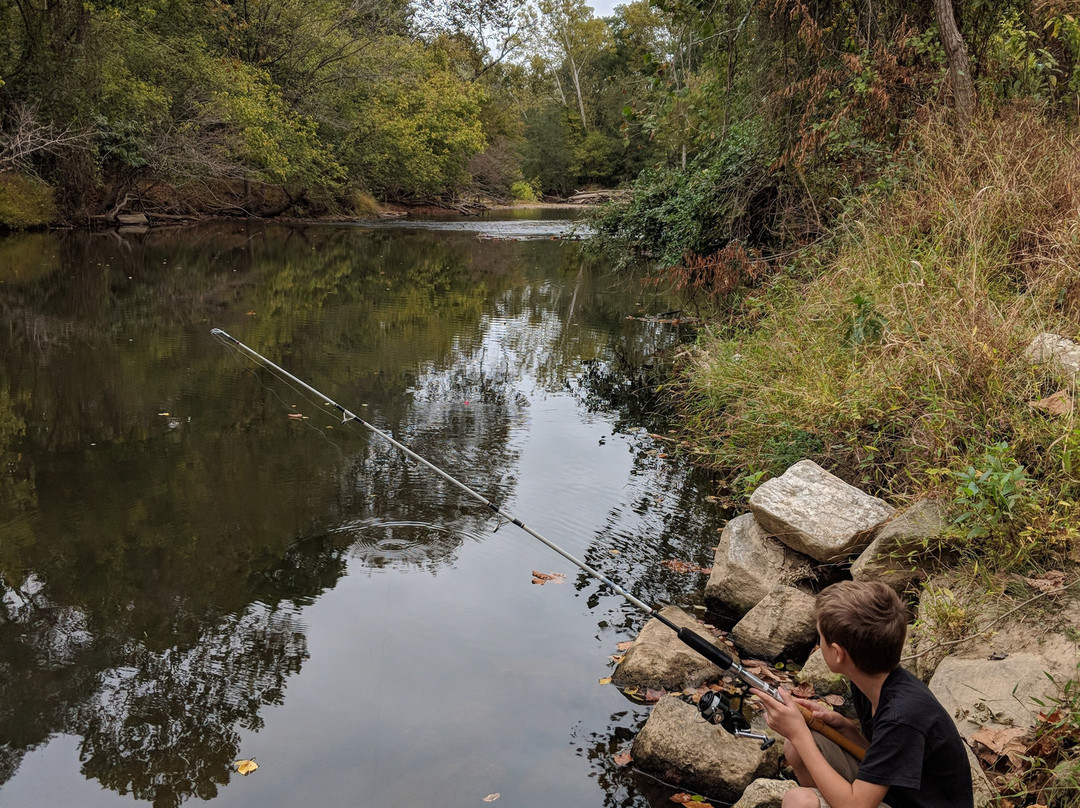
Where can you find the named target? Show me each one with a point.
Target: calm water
(190, 576)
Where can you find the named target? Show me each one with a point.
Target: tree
(572, 36)
(959, 65)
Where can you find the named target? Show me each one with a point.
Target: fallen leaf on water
(654, 695)
(163, 413)
(543, 577)
(605, 681)
(684, 566)
(623, 759)
(683, 797)
(616, 658)
(295, 416)
(246, 767)
(492, 797)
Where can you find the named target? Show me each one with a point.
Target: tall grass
(894, 352)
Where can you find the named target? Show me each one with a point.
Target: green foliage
(24, 202)
(990, 498)
(699, 209)
(866, 324)
(523, 191)
(418, 128)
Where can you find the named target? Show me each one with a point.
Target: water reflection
(170, 516)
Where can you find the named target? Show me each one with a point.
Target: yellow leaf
(605, 681)
(246, 767)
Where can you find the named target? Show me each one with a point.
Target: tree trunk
(959, 68)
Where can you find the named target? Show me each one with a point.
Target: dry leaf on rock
(834, 699)
(623, 759)
(1002, 742)
(624, 646)
(1048, 581)
(246, 767)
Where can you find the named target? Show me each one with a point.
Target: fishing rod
(712, 707)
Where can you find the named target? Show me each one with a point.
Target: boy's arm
(786, 719)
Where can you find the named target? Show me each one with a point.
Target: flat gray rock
(658, 659)
(896, 555)
(1055, 349)
(988, 692)
(748, 565)
(680, 748)
(765, 794)
(815, 672)
(816, 513)
(782, 625)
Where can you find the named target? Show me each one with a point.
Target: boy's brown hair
(867, 619)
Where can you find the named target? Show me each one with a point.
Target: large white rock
(817, 513)
(748, 565)
(658, 659)
(815, 672)
(680, 748)
(1055, 349)
(782, 625)
(981, 692)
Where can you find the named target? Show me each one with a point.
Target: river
(200, 563)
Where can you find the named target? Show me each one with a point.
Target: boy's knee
(801, 798)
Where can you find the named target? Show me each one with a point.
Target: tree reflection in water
(164, 522)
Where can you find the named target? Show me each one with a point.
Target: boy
(914, 755)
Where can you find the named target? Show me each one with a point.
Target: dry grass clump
(895, 356)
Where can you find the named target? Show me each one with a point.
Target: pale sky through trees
(604, 8)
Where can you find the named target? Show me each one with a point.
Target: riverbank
(897, 352)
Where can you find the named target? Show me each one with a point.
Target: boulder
(1056, 350)
(997, 692)
(817, 513)
(749, 564)
(782, 625)
(825, 682)
(658, 659)
(681, 749)
(765, 794)
(893, 556)
(984, 793)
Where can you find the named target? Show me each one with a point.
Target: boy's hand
(782, 716)
(820, 711)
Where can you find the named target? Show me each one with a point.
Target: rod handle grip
(832, 733)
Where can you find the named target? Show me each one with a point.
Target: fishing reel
(720, 708)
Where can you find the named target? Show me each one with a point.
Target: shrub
(25, 202)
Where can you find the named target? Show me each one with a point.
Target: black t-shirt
(915, 748)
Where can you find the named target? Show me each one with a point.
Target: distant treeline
(735, 120)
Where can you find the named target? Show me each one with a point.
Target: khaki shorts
(841, 760)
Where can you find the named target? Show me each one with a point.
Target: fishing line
(695, 641)
(301, 392)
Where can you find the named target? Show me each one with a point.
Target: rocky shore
(805, 530)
